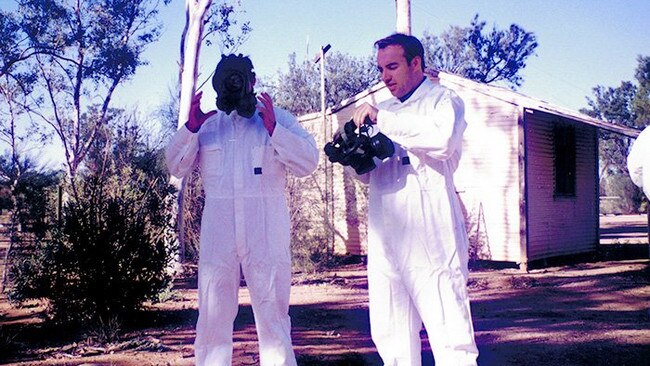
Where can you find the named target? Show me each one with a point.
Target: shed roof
(500, 93)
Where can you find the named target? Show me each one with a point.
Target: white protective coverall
(417, 243)
(245, 222)
(638, 161)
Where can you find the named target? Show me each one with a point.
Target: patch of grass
(350, 359)
(478, 283)
(104, 331)
(520, 282)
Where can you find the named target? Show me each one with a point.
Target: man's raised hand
(197, 117)
(267, 113)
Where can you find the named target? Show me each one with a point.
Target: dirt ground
(589, 311)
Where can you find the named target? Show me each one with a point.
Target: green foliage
(9, 52)
(298, 90)
(615, 106)
(496, 56)
(448, 52)
(108, 256)
(641, 101)
(624, 196)
(111, 250)
(104, 331)
(103, 29)
(222, 21)
(35, 197)
(625, 105)
(76, 54)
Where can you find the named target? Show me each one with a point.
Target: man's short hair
(411, 45)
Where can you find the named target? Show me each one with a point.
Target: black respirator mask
(233, 81)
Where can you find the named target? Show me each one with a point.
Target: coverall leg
(218, 306)
(443, 303)
(394, 320)
(219, 276)
(269, 287)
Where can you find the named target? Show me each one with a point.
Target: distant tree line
(628, 105)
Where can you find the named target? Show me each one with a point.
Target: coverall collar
(409, 94)
(418, 93)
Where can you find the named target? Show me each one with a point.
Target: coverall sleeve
(638, 161)
(182, 152)
(295, 147)
(438, 133)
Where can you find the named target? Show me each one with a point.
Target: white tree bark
(195, 12)
(403, 8)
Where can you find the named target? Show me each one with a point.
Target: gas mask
(233, 81)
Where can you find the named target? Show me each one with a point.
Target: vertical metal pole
(322, 93)
(322, 111)
(326, 136)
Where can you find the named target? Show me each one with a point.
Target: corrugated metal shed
(506, 178)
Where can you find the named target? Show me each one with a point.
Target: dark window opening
(564, 157)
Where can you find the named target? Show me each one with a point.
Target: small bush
(109, 251)
(105, 259)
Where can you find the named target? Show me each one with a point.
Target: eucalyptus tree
(80, 52)
(629, 105)
(488, 57)
(298, 89)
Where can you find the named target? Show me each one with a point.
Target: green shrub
(106, 258)
(109, 250)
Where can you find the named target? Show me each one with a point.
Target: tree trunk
(403, 8)
(195, 11)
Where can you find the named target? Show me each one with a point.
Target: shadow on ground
(582, 313)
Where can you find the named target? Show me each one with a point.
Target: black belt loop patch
(257, 170)
(406, 160)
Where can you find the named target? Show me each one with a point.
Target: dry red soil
(588, 312)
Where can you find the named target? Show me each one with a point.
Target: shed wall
(487, 178)
(560, 225)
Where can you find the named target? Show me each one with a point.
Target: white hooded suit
(638, 161)
(245, 222)
(417, 243)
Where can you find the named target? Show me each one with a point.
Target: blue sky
(581, 43)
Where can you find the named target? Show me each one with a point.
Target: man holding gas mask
(417, 243)
(243, 157)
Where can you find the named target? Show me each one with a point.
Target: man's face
(399, 76)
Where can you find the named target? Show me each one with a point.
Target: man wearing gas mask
(243, 150)
(417, 244)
